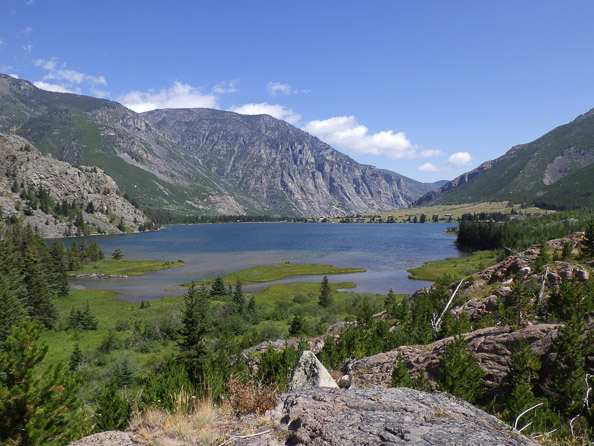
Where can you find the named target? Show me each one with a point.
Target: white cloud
(459, 159)
(53, 87)
(429, 167)
(226, 87)
(346, 133)
(26, 30)
(275, 88)
(65, 80)
(179, 95)
(1, 42)
(16, 76)
(274, 110)
(28, 48)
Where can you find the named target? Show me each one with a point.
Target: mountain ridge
(554, 171)
(165, 173)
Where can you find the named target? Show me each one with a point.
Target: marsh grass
(129, 267)
(457, 267)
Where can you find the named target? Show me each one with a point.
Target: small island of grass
(278, 271)
(456, 267)
(128, 267)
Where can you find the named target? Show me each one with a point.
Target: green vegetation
(456, 267)
(278, 271)
(125, 266)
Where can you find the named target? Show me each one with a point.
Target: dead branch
(241, 437)
(523, 413)
(437, 323)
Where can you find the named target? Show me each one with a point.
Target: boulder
(309, 373)
(476, 308)
(393, 416)
(582, 275)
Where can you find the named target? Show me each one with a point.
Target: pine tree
(297, 325)
(76, 358)
(113, 409)
(195, 323)
(38, 404)
(588, 249)
(459, 373)
(325, 299)
(218, 290)
(40, 304)
(390, 303)
(239, 301)
(400, 375)
(59, 277)
(117, 254)
(12, 310)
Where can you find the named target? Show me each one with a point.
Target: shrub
(247, 397)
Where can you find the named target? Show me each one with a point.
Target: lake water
(386, 251)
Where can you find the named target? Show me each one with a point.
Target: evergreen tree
(38, 404)
(117, 254)
(325, 299)
(218, 290)
(588, 243)
(297, 326)
(239, 301)
(74, 257)
(390, 303)
(12, 310)
(58, 269)
(40, 304)
(459, 373)
(195, 323)
(572, 345)
(76, 358)
(113, 409)
(400, 375)
(524, 370)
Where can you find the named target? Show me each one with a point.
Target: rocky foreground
(370, 416)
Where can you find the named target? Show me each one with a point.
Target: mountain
(58, 199)
(283, 167)
(208, 162)
(554, 171)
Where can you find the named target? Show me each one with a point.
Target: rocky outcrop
(309, 372)
(395, 416)
(492, 347)
(22, 165)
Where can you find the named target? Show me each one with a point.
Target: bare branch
(542, 285)
(523, 413)
(241, 437)
(437, 324)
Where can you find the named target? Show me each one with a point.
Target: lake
(386, 251)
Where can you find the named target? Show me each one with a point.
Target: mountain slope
(283, 167)
(35, 188)
(144, 163)
(556, 170)
(190, 162)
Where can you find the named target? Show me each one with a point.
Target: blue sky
(429, 89)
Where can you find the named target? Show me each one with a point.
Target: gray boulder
(388, 416)
(309, 373)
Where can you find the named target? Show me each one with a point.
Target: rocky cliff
(24, 172)
(282, 166)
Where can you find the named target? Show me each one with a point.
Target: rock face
(22, 164)
(284, 167)
(394, 416)
(309, 373)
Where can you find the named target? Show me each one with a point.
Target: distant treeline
(161, 217)
(519, 233)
